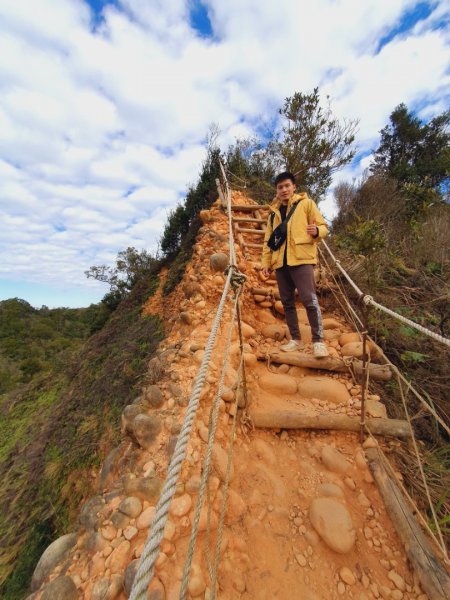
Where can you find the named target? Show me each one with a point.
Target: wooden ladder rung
(247, 207)
(254, 245)
(247, 220)
(255, 231)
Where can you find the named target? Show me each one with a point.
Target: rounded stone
(348, 338)
(131, 506)
(61, 588)
(333, 523)
(278, 383)
(146, 429)
(330, 490)
(323, 388)
(218, 262)
(51, 557)
(130, 574)
(347, 576)
(152, 396)
(333, 460)
(145, 518)
(181, 506)
(275, 331)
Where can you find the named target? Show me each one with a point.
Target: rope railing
(151, 549)
(368, 300)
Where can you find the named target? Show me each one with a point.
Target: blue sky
(105, 107)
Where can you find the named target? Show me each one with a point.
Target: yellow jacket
(301, 247)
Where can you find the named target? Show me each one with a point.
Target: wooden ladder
(255, 217)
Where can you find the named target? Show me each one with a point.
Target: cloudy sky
(105, 106)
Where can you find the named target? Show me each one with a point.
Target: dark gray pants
(302, 278)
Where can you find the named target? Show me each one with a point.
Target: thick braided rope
(151, 550)
(225, 491)
(207, 460)
(368, 300)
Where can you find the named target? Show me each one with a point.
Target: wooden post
(328, 363)
(293, 419)
(433, 576)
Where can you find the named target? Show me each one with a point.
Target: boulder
(145, 518)
(331, 334)
(275, 331)
(218, 262)
(131, 506)
(146, 429)
(129, 413)
(181, 505)
(333, 460)
(152, 396)
(130, 574)
(109, 469)
(52, 556)
(145, 488)
(118, 558)
(100, 589)
(61, 588)
(155, 370)
(331, 324)
(347, 338)
(333, 523)
(323, 388)
(330, 490)
(278, 383)
(191, 288)
(374, 408)
(89, 515)
(247, 330)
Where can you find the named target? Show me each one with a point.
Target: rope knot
(237, 278)
(367, 299)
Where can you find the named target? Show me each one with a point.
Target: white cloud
(102, 131)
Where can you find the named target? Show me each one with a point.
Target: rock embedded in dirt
(118, 558)
(131, 506)
(334, 460)
(332, 521)
(376, 409)
(146, 488)
(146, 429)
(275, 331)
(145, 518)
(218, 262)
(331, 324)
(129, 413)
(181, 506)
(220, 461)
(397, 580)
(347, 576)
(152, 396)
(52, 556)
(348, 338)
(324, 388)
(278, 383)
(61, 588)
(89, 517)
(130, 574)
(330, 490)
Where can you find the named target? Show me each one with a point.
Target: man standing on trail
(294, 227)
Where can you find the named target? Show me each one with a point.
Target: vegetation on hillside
(62, 423)
(392, 233)
(35, 341)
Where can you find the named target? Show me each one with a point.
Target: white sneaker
(320, 350)
(292, 346)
